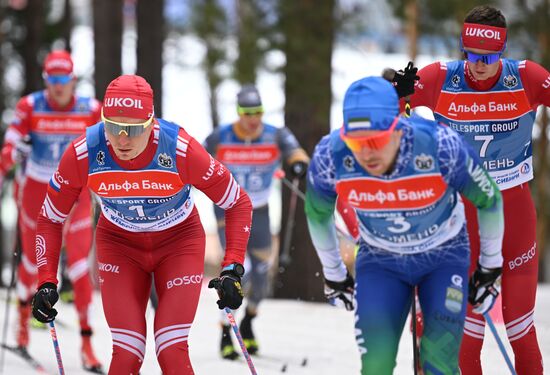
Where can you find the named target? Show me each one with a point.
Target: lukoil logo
(106, 267)
(184, 280)
(482, 33)
(123, 102)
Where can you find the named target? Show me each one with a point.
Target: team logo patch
(100, 158)
(424, 163)
(510, 81)
(349, 163)
(455, 80)
(164, 160)
(453, 299)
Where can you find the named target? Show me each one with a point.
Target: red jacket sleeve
(536, 81)
(428, 88)
(63, 190)
(17, 130)
(210, 176)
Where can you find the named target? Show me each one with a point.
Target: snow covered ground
(288, 332)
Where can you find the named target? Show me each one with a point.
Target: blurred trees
(34, 21)
(210, 23)
(151, 32)
(253, 38)
(308, 29)
(107, 25)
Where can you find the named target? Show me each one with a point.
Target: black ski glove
(228, 286)
(404, 80)
(22, 149)
(298, 169)
(43, 301)
(484, 288)
(340, 293)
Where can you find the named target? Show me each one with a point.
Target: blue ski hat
(370, 103)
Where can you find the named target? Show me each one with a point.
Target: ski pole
(499, 342)
(280, 175)
(240, 339)
(416, 358)
(14, 259)
(53, 334)
(285, 253)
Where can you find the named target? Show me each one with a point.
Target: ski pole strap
(499, 342)
(53, 334)
(240, 340)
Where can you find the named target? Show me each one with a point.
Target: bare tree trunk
(107, 43)
(67, 25)
(248, 33)
(151, 34)
(308, 27)
(34, 23)
(411, 12)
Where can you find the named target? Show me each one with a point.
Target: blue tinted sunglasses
(488, 59)
(58, 79)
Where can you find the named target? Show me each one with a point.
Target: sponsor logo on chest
(401, 194)
(70, 124)
(253, 154)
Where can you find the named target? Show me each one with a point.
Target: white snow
(288, 332)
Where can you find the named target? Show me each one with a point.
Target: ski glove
(228, 286)
(340, 293)
(22, 149)
(484, 288)
(43, 301)
(298, 169)
(404, 80)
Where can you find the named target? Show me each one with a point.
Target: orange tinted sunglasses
(374, 142)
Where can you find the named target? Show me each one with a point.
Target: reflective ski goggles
(58, 79)
(131, 130)
(489, 58)
(374, 142)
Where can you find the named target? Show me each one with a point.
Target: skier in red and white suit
(45, 123)
(492, 102)
(142, 169)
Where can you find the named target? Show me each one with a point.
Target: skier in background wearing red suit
(45, 123)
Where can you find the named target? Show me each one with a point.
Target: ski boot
(248, 335)
(22, 328)
(226, 345)
(89, 360)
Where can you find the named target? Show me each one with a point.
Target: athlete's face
(251, 122)
(59, 91)
(125, 147)
(480, 70)
(378, 161)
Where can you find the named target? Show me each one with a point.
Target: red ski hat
(128, 96)
(58, 62)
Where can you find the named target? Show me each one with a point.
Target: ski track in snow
(287, 331)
